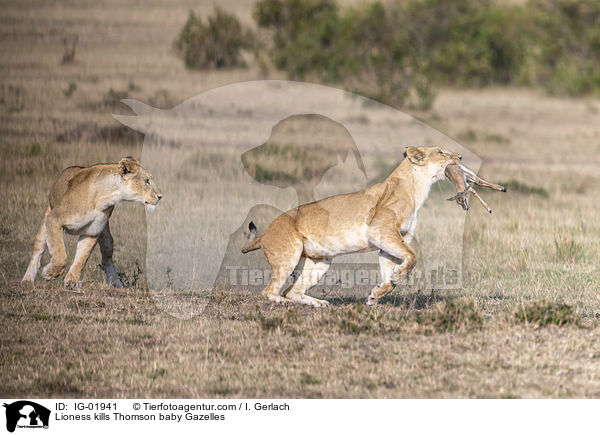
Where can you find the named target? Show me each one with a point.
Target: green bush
(215, 44)
(467, 42)
(400, 52)
(363, 48)
(565, 45)
(396, 53)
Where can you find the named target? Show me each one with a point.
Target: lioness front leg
(105, 241)
(38, 250)
(56, 247)
(84, 248)
(396, 260)
(387, 265)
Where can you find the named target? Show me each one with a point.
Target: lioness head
(433, 160)
(139, 184)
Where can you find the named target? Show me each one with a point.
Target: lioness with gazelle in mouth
(383, 217)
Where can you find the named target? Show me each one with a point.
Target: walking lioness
(81, 202)
(382, 217)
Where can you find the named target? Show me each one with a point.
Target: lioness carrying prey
(81, 202)
(382, 217)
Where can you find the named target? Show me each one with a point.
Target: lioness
(382, 217)
(81, 202)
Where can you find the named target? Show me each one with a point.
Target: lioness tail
(255, 243)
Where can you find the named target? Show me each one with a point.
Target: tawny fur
(382, 217)
(81, 202)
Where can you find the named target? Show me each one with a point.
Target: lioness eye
(147, 180)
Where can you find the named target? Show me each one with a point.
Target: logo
(26, 414)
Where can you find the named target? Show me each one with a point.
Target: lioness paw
(309, 300)
(277, 299)
(319, 303)
(51, 271)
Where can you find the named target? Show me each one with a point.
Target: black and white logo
(26, 414)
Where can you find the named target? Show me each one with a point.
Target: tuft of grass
(70, 89)
(547, 313)
(447, 316)
(308, 379)
(33, 149)
(525, 189)
(566, 248)
(287, 321)
(158, 373)
(452, 315)
(113, 97)
(471, 136)
(359, 320)
(69, 44)
(132, 279)
(468, 136)
(12, 98)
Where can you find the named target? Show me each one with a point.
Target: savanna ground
(524, 324)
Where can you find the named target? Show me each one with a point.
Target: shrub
(394, 54)
(565, 47)
(363, 48)
(467, 42)
(399, 53)
(215, 44)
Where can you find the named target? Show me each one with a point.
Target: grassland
(522, 325)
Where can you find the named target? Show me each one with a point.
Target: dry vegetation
(523, 325)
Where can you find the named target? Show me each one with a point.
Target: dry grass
(116, 343)
(533, 263)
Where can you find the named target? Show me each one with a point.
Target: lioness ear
(128, 165)
(415, 155)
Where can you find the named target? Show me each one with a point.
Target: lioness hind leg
(39, 247)
(278, 278)
(105, 241)
(312, 272)
(282, 249)
(84, 248)
(56, 247)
